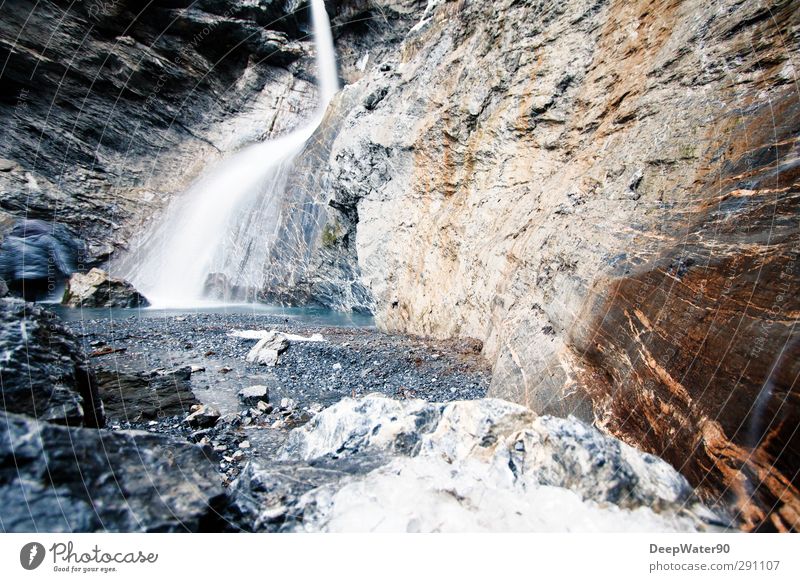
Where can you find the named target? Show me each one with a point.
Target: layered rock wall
(112, 107)
(606, 194)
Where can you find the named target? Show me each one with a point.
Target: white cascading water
(226, 221)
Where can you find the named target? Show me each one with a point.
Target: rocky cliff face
(113, 107)
(606, 194)
(603, 192)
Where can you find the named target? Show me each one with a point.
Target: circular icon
(31, 555)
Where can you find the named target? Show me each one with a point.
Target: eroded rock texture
(43, 371)
(376, 464)
(606, 194)
(59, 479)
(111, 108)
(145, 396)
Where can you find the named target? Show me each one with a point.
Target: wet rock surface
(143, 396)
(44, 372)
(376, 464)
(98, 289)
(612, 212)
(60, 479)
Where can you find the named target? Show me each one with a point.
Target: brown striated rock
(695, 354)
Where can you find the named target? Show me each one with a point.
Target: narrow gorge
(328, 252)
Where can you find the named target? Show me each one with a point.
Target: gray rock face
(59, 479)
(97, 289)
(44, 373)
(367, 32)
(177, 81)
(381, 464)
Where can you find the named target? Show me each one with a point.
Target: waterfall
(220, 230)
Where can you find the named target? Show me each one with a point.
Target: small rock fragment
(268, 349)
(252, 395)
(203, 417)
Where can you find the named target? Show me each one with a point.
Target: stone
(3, 288)
(268, 349)
(204, 417)
(136, 397)
(97, 289)
(70, 480)
(231, 419)
(254, 395)
(288, 404)
(376, 464)
(44, 373)
(264, 406)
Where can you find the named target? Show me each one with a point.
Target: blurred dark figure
(37, 258)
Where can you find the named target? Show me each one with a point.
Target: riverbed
(199, 346)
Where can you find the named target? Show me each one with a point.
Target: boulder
(60, 479)
(135, 397)
(3, 288)
(484, 465)
(44, 372)
(268, 349)
(98, 289)
(37, 257)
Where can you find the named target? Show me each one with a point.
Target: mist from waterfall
(225, 223)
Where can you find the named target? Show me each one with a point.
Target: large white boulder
(375, 463)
